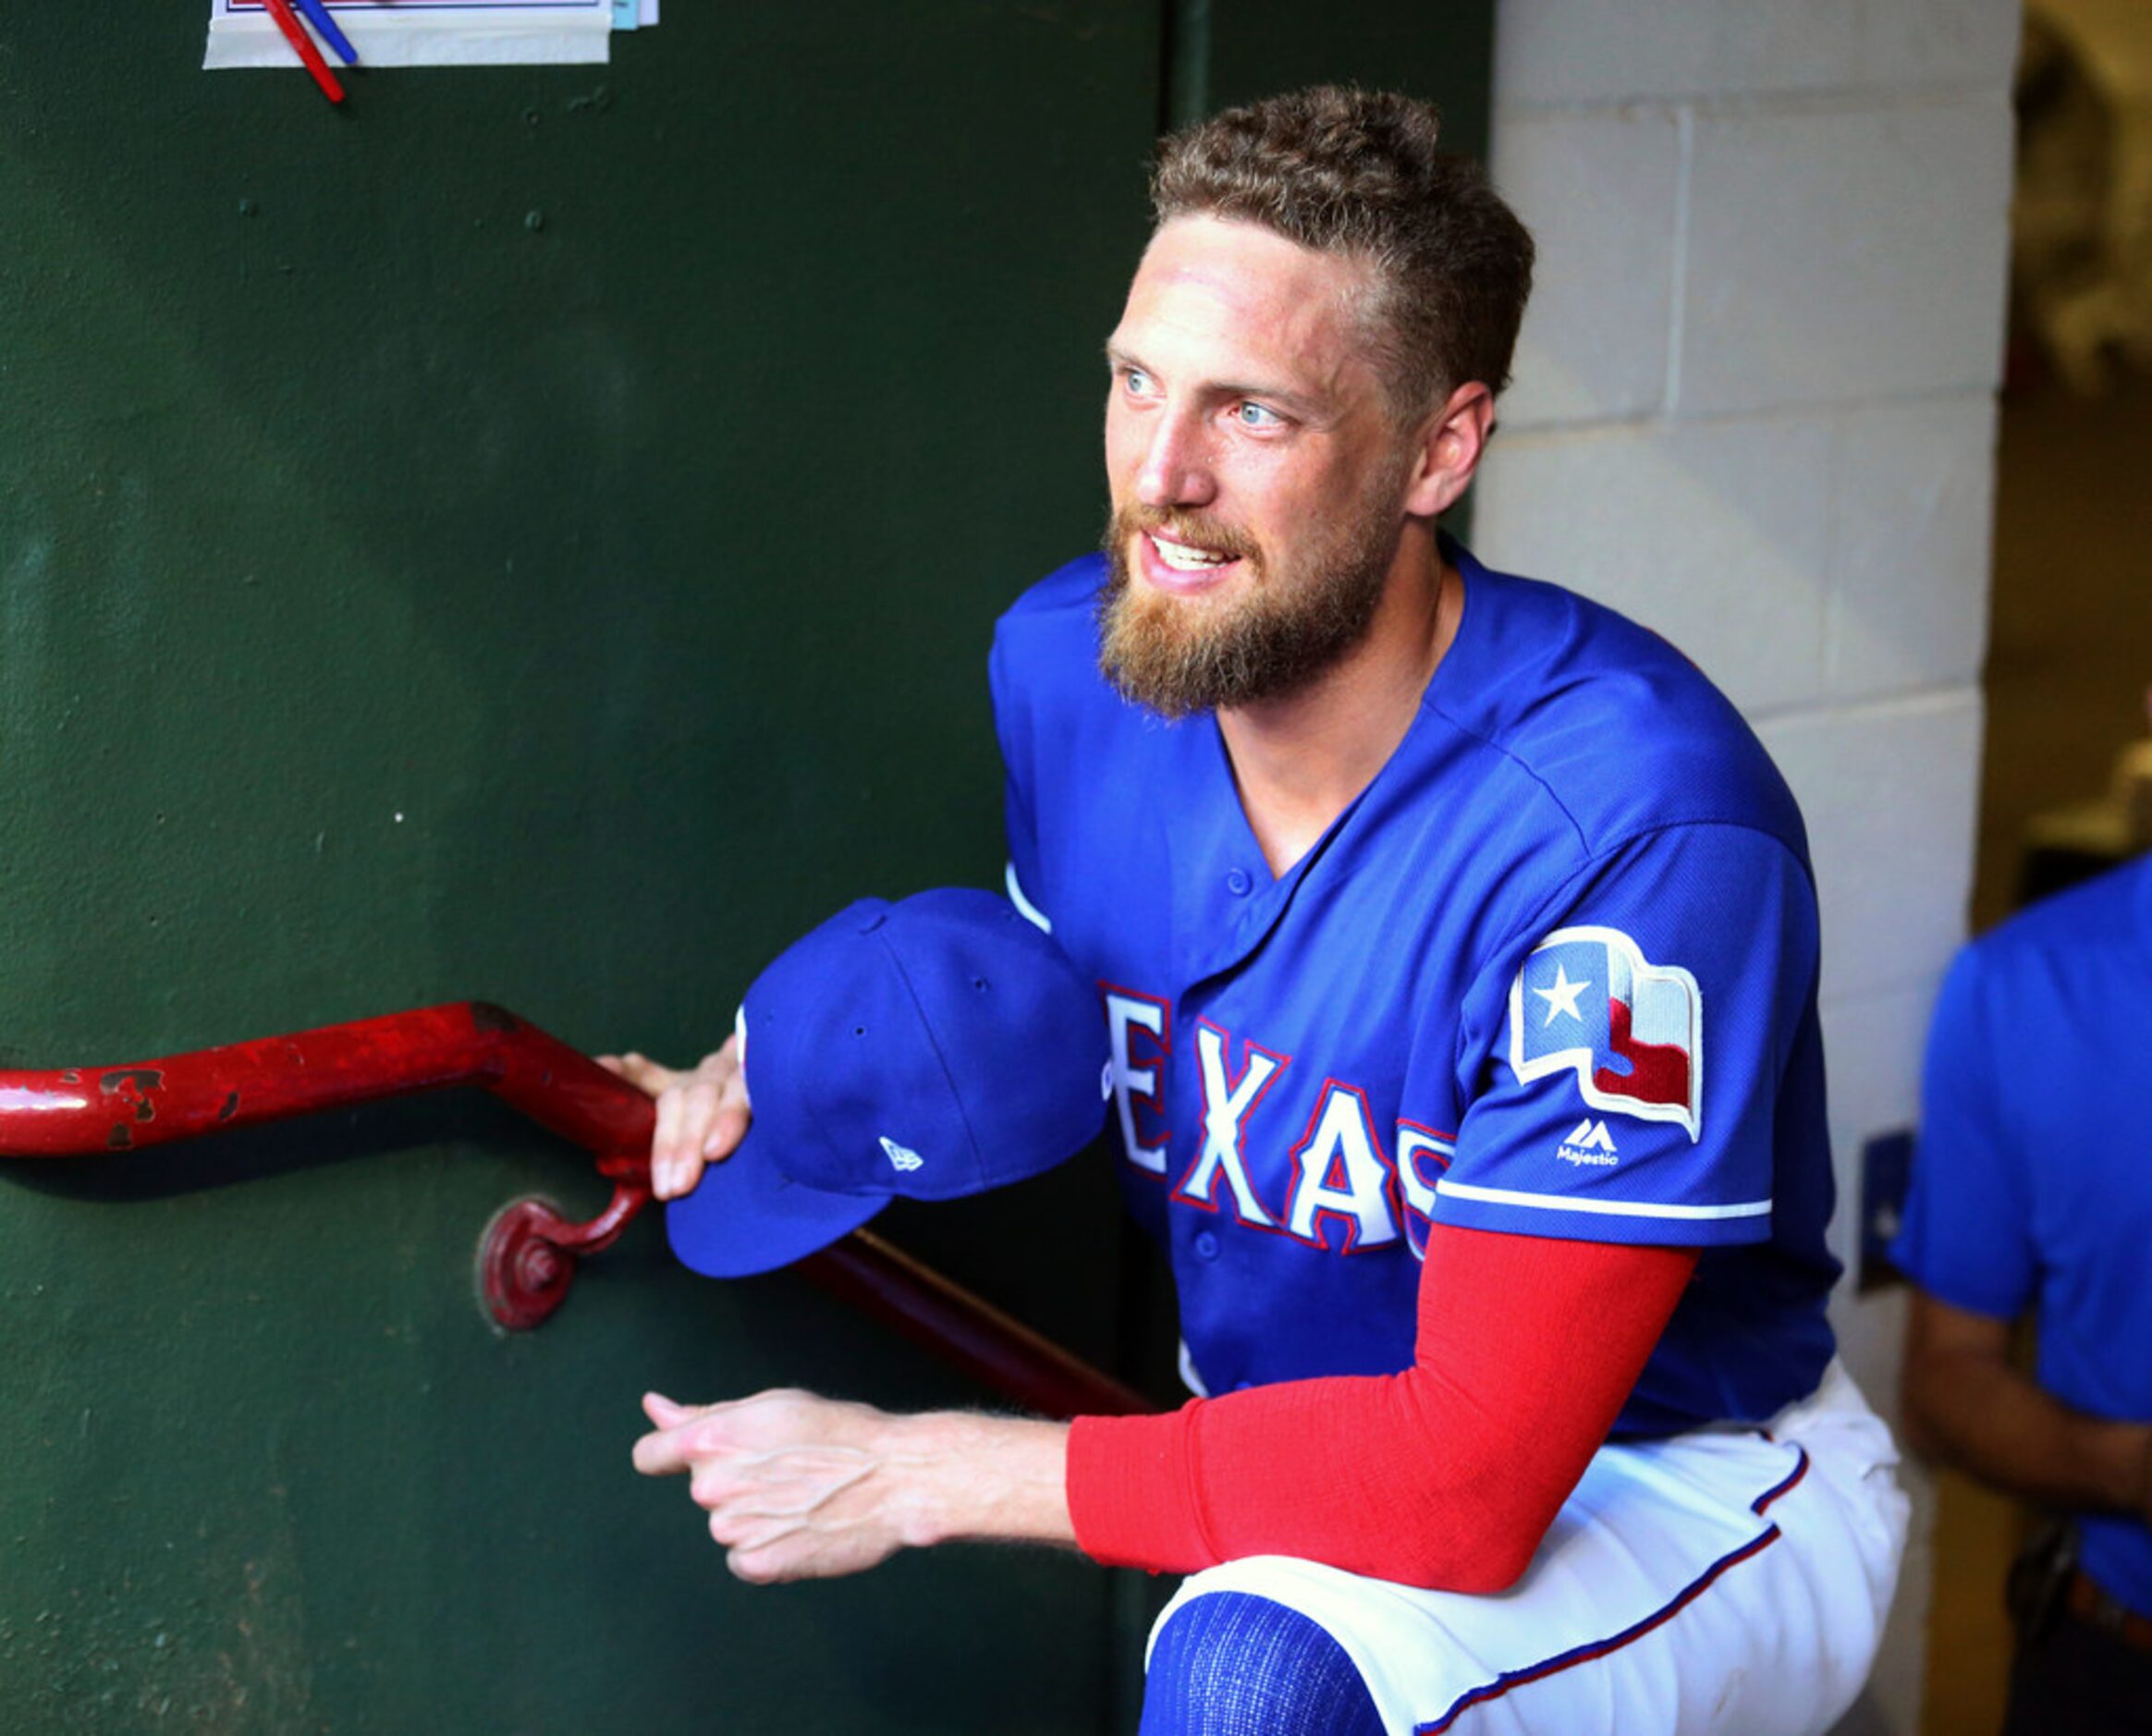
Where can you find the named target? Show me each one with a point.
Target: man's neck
(1300, 760)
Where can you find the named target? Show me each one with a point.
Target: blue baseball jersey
(1552, 973)
(2028, 1190)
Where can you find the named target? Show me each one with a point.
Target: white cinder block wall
(1755, 408)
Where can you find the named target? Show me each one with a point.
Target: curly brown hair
(1357, 173)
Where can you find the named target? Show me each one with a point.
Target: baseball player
(1457, 950)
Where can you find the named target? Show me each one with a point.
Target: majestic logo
(1589, 1143)
(902, 1158)
(1588, 1001)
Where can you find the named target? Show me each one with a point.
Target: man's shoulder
(1045, 643)
(1064, 597)
(1607, 719)
(2107, 918)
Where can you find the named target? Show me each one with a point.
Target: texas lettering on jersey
(1586, 1002)
(1345, 1191)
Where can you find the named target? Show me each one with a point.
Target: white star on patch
(1562, 997)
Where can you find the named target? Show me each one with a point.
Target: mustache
(1190, 529)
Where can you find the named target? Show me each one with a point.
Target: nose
(1175, 468)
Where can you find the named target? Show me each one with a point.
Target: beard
(1178, 656)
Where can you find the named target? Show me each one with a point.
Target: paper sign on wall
(436, 32)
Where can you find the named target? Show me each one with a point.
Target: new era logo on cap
(947, 1015)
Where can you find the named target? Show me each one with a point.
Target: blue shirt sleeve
(1624, 1057)
(1966, 1237)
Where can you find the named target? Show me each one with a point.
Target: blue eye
(1136, 382)
(1250, 414)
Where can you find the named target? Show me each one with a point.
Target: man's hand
(796, 1486)
(803, 1488)
(702, 1115)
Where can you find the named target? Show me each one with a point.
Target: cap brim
(744, 1217)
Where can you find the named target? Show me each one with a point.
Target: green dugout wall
(534, 535)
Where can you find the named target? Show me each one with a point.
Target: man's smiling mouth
(1186, 558)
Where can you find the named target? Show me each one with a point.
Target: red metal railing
(528, 1256)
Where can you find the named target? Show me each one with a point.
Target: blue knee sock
(1228, 1664)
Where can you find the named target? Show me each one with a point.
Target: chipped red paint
(51, 1113)
(528, 1257)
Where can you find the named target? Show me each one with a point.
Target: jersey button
(1238, 881)
(1206, 1246)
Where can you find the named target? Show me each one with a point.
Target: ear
(1450, 442)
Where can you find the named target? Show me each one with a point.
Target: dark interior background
(533, 534)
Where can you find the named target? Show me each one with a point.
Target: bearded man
(1417, 895)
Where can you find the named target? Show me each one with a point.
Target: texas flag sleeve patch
(1588, 1001)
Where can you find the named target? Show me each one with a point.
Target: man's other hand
(796, 1486)
(803, 1488)
(702, 1115)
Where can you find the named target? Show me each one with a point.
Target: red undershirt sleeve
(1445, 1475)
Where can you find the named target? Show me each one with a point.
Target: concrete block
(1871, 1335)
(1588, 51)
(1837, 256)
(1872, 1048)
(1904, 43)
(1912, 506)
(1711, 535)
(1598, 194)
(1570, 52)
(1871, 1340)
(1889, 791)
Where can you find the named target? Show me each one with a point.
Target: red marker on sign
(295, 33)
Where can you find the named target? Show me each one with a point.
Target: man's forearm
(954, 1476)
(803, 1487)
(1989, 1419)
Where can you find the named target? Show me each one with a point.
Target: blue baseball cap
(930, 1048)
